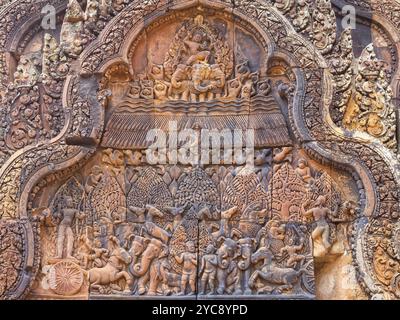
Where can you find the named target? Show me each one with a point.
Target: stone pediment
(197, 78)
(311, 211)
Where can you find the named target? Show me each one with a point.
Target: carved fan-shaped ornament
(247, 193)
(197, 189)
(239, 190)
(288, 194)
(259, 195)
(106, 197)
(149, 188)
(65, 278)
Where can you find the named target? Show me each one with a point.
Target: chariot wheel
(66, 278)
(308, 278)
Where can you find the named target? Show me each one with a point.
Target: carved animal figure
(201, 84)
(137, 248)
(224, 230)
(151, 228)
(155, 231)
(245, 249)
(179, 89)
(153, 212)
(285, 155)
(138, 214)
(113, 271)
(178, 216)
(217, 77)
(281, 278)
(93, 179)
(226, 271)
(159, 273)
(140, 269)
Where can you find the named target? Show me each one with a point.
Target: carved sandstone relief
(170, 233)
(92, 217)
(132, 229)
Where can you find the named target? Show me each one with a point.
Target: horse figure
(114, 270)
(283, 278)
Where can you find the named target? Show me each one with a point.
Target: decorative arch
(374, 169)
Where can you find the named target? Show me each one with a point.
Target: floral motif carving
(240, 243)
(12, 255)
(370, 108)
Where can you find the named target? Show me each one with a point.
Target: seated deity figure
(206, 81)
(304, 171)
(69, 213)
(196, 47)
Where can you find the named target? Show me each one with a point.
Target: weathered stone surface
(309, 212)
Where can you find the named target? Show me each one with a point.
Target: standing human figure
(65, 232)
